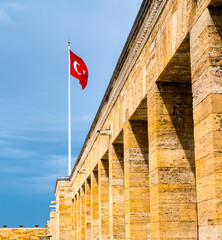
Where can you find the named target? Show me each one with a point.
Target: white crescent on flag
(75, 67)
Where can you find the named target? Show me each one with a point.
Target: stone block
(210, 105)
(167, 158)
(164, 213)
(210, 232)
(173, 193)
(210, 212)
(188, 212)
(172, 175)
(208, 164)
(209, 187)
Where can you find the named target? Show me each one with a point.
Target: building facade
(151, 165)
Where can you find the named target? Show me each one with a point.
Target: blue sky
(33, 92)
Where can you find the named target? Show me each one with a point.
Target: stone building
(22, 233)
(151, 164)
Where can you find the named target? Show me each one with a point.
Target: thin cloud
(35, 185)
(39, 179)
(4, 17)
(87, 118)
(32, 137)
(14, 6)
(2, 143)
(57, 164)
(10, 170)
(5, 9)
(16, 153)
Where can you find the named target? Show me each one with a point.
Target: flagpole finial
(68, 42)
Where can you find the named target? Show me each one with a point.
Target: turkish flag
(78, 69)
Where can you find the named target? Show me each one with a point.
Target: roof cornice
(147, 16)
(58, 180)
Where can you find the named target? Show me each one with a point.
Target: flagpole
(69, 114)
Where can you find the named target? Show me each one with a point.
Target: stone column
(82, 209)
(116, 175)
(171, 162)
(79, 235)
(136, 171)
(95, 205)
(103, 199)
(75, 216)
(88, 209)
(53, 224)
(206, 68)
(63, 210)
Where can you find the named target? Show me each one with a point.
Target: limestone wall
(157, 175)
(22, 233)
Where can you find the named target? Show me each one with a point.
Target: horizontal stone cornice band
(153, 13)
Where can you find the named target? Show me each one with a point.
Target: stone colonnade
(159, 175)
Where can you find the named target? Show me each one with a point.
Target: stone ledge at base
(22, 233)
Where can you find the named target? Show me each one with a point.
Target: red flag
(78, 69)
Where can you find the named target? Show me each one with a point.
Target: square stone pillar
(171, 162)
(117, 205)
(95, 205)
(136, 171)
(53, 224)
(206, 69)
(82, 209)
(63, 210)
(103, 199)
(75, 217)
(88, 218)
(79, 235)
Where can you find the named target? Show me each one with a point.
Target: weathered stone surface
(22, 233)
(158, 174)
(88, 222)
(136, 180)
(52, 224)
(82, 213)
(103, 171)
(206, 59)
(95, 204)
(63, 210)
(172, 177)
(116, 187)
